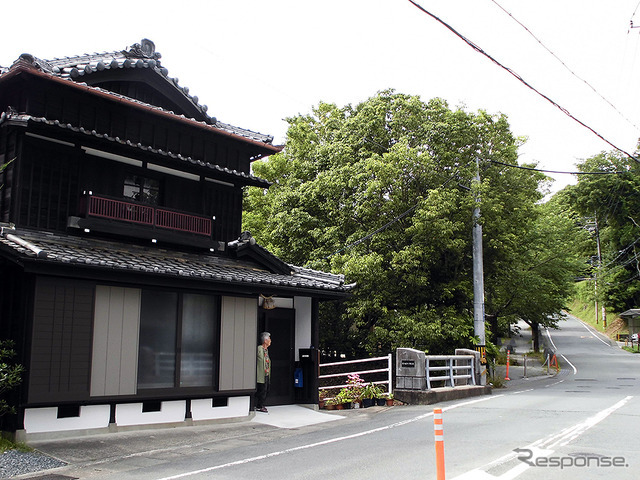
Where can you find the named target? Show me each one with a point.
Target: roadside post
(439, 442)
(548, 365)
(508, 361)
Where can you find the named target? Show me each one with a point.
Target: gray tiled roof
(138, 56)
(57, 249)
(12, 116)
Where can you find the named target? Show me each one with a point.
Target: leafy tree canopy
(609, 206)
(384, 192)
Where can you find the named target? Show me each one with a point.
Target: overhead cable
(522, 80)
(564, 64)
(521, 167)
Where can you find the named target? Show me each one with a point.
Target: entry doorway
(280, 323)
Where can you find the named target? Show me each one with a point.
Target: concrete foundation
(437, 395)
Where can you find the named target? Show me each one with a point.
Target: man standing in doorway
(263, 373)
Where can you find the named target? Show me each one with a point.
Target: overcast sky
(256, 62)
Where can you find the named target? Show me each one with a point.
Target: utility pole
(595, 278)
(478, 280)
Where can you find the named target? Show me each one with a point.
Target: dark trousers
(262, 392)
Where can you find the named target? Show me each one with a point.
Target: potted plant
(344, 399)
(369, 395)
(330, 403)
(322, 398)
(389, 400)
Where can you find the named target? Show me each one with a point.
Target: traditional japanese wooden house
(126, 283)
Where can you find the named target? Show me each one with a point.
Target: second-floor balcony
(117, 216)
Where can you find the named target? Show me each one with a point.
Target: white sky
(256, 62)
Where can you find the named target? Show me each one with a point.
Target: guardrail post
(472, 364)
(548, 365)
(452, 380)
(390, 363)
(438, 430)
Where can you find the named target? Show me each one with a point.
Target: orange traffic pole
(508, 358)
(439, 441)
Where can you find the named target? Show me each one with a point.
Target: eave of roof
(61, 250)
(23, 119)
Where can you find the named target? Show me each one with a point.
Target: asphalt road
(582, 423)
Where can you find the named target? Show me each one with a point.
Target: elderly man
(263, 372)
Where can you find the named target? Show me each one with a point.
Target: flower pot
(389, 402)
(329, 406)
(339, 406)
(368, 402)
(381, 402)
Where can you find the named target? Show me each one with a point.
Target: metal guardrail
(448, 367)
(388, 370)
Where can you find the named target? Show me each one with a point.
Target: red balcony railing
(182, 222)
(119, 210)
(147, 215)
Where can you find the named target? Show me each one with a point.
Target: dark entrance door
(280, 323)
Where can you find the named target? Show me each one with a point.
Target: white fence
(447, 367)
(342, 376)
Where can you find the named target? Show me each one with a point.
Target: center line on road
(325, 442)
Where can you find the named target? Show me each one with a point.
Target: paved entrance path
(293, 416)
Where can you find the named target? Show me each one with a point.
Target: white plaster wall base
(131, 414)
(201, 409)
(41, 420)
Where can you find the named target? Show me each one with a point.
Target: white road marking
(594, 333)
(551, 339)
(575, 370)
(541, 448)
(522, 391)
(326, 442)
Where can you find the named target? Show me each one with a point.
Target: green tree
(536, 276)
(383, 192)
(609, 204)
(10, 375)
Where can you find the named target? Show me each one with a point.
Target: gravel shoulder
(16, 462)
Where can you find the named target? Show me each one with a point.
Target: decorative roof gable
(140, 63)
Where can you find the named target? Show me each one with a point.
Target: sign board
(483, 353)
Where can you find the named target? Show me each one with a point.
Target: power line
(564, 64)
(519, 78)
(521, 167)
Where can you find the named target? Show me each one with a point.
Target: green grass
(6, 444)
(586, 312)
(496, 381)
(632, 350)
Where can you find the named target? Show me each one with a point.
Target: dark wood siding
(116, 119)
(225, 203)
(50, 189)
(62, 339)
(8, 152)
